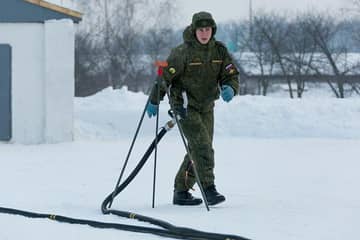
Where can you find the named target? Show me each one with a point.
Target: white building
(37, 59)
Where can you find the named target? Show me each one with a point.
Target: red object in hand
(161, 65)
(160, 71)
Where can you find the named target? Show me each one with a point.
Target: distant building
(37, 61)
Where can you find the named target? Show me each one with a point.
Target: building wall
(60, 80)
(27, 43)
(42, 80)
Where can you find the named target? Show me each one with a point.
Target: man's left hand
(227, 93)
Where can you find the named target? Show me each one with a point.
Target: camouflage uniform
(196, 72)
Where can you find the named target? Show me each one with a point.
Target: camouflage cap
(203, 19)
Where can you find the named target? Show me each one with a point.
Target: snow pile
(284, 188)
(114, 114)
(256, 116)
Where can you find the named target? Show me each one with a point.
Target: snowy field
(289, 170)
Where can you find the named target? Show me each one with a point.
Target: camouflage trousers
(198, 128)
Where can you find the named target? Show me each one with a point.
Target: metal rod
(156, 140)
(187, 149)
(129, 152)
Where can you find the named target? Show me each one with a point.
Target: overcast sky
(223, 10)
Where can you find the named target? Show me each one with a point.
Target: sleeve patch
(230, 68)
(172, 70)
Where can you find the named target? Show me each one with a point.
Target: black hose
(168, 230)
(180, 232)
(92, 223)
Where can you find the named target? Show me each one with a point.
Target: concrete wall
(42, 80)
(27, 43)
(60, 83)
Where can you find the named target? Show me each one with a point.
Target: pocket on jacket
(194, 67)
(216, 66)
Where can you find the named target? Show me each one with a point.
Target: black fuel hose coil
(168, 230)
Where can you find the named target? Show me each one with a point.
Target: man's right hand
(151, 109)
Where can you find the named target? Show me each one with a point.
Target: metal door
(5, 92)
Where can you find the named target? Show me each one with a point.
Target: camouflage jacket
(198, 71)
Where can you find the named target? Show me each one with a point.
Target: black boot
(185, 198)
(212, 196)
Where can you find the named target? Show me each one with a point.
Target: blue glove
(151, 109)
(227, 93)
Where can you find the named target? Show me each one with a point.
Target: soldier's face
(203, 35)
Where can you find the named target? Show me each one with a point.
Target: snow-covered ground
(289, 170)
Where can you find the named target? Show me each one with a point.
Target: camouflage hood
(201, 19)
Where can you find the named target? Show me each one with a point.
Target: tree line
(119, 40)
(310, 44)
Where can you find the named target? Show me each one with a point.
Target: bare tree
(160, 37)
(124, 29)
(355, 6)
(275, 29)
(356, 39)
(89, 52)
(89, 75)
(356, 34)
(118, 28)
(260, 56)
(301, 52)
(333, 53)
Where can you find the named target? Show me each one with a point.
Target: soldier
(198, 71)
